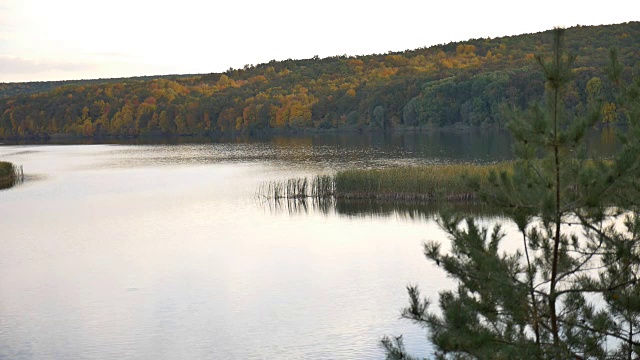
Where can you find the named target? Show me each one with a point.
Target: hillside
(34, 87)
(467, 83)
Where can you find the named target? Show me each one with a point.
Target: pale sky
(87, 39)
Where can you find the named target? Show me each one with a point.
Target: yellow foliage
(463, 49)
(85, 113)
(386, 72)
(259, 78)
(396, 60)
(239, 122)
(299, 110)
(609, 113)
(224, 81)
(282, 116)
(446, 63)
(87, 128)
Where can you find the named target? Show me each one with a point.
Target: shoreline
(151, 138)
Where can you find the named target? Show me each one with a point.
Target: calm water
(164, 252)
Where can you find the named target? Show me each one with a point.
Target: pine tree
(570, 292)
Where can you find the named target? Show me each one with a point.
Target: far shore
(217, 136)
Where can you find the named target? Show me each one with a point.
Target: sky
(44, 40)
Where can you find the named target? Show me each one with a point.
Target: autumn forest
(466, 84)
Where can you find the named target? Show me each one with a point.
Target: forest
(473, 83)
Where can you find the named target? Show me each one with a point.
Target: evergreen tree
(570, 291)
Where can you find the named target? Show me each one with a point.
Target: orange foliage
(446, 63)
(465, 49)
(259, 78)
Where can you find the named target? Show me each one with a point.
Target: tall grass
(320, 186)
(10, 174)
(297, 195)
(432, 182)
(415, 183)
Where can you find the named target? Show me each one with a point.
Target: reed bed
(320, 186)
(10, 174)
(323, 186)
(416, 183)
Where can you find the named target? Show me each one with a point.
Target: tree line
(472, 83)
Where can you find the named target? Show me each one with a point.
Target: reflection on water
(319, 153)
(160, 251)
(299, 206)
(413, 211)
(375, 149)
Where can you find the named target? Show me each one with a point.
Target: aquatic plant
(409, 183)
(431, 182)
(320, 186)
(10, 174)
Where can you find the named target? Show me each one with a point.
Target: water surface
(164, 251)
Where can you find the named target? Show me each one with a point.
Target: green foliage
(10, 174)
(472, 84)
(570, 291)
(5, 168)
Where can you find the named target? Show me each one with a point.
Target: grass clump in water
(411, 183)
(10, 174)
(431, 182)
(320, 186)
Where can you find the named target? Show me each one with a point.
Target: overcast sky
(82, 39)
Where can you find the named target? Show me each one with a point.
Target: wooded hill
(471, 83)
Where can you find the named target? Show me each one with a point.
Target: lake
(163, 251)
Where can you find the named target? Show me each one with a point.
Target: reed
(422, 183)
(414, 183)
(10, 174)
(320, 186)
